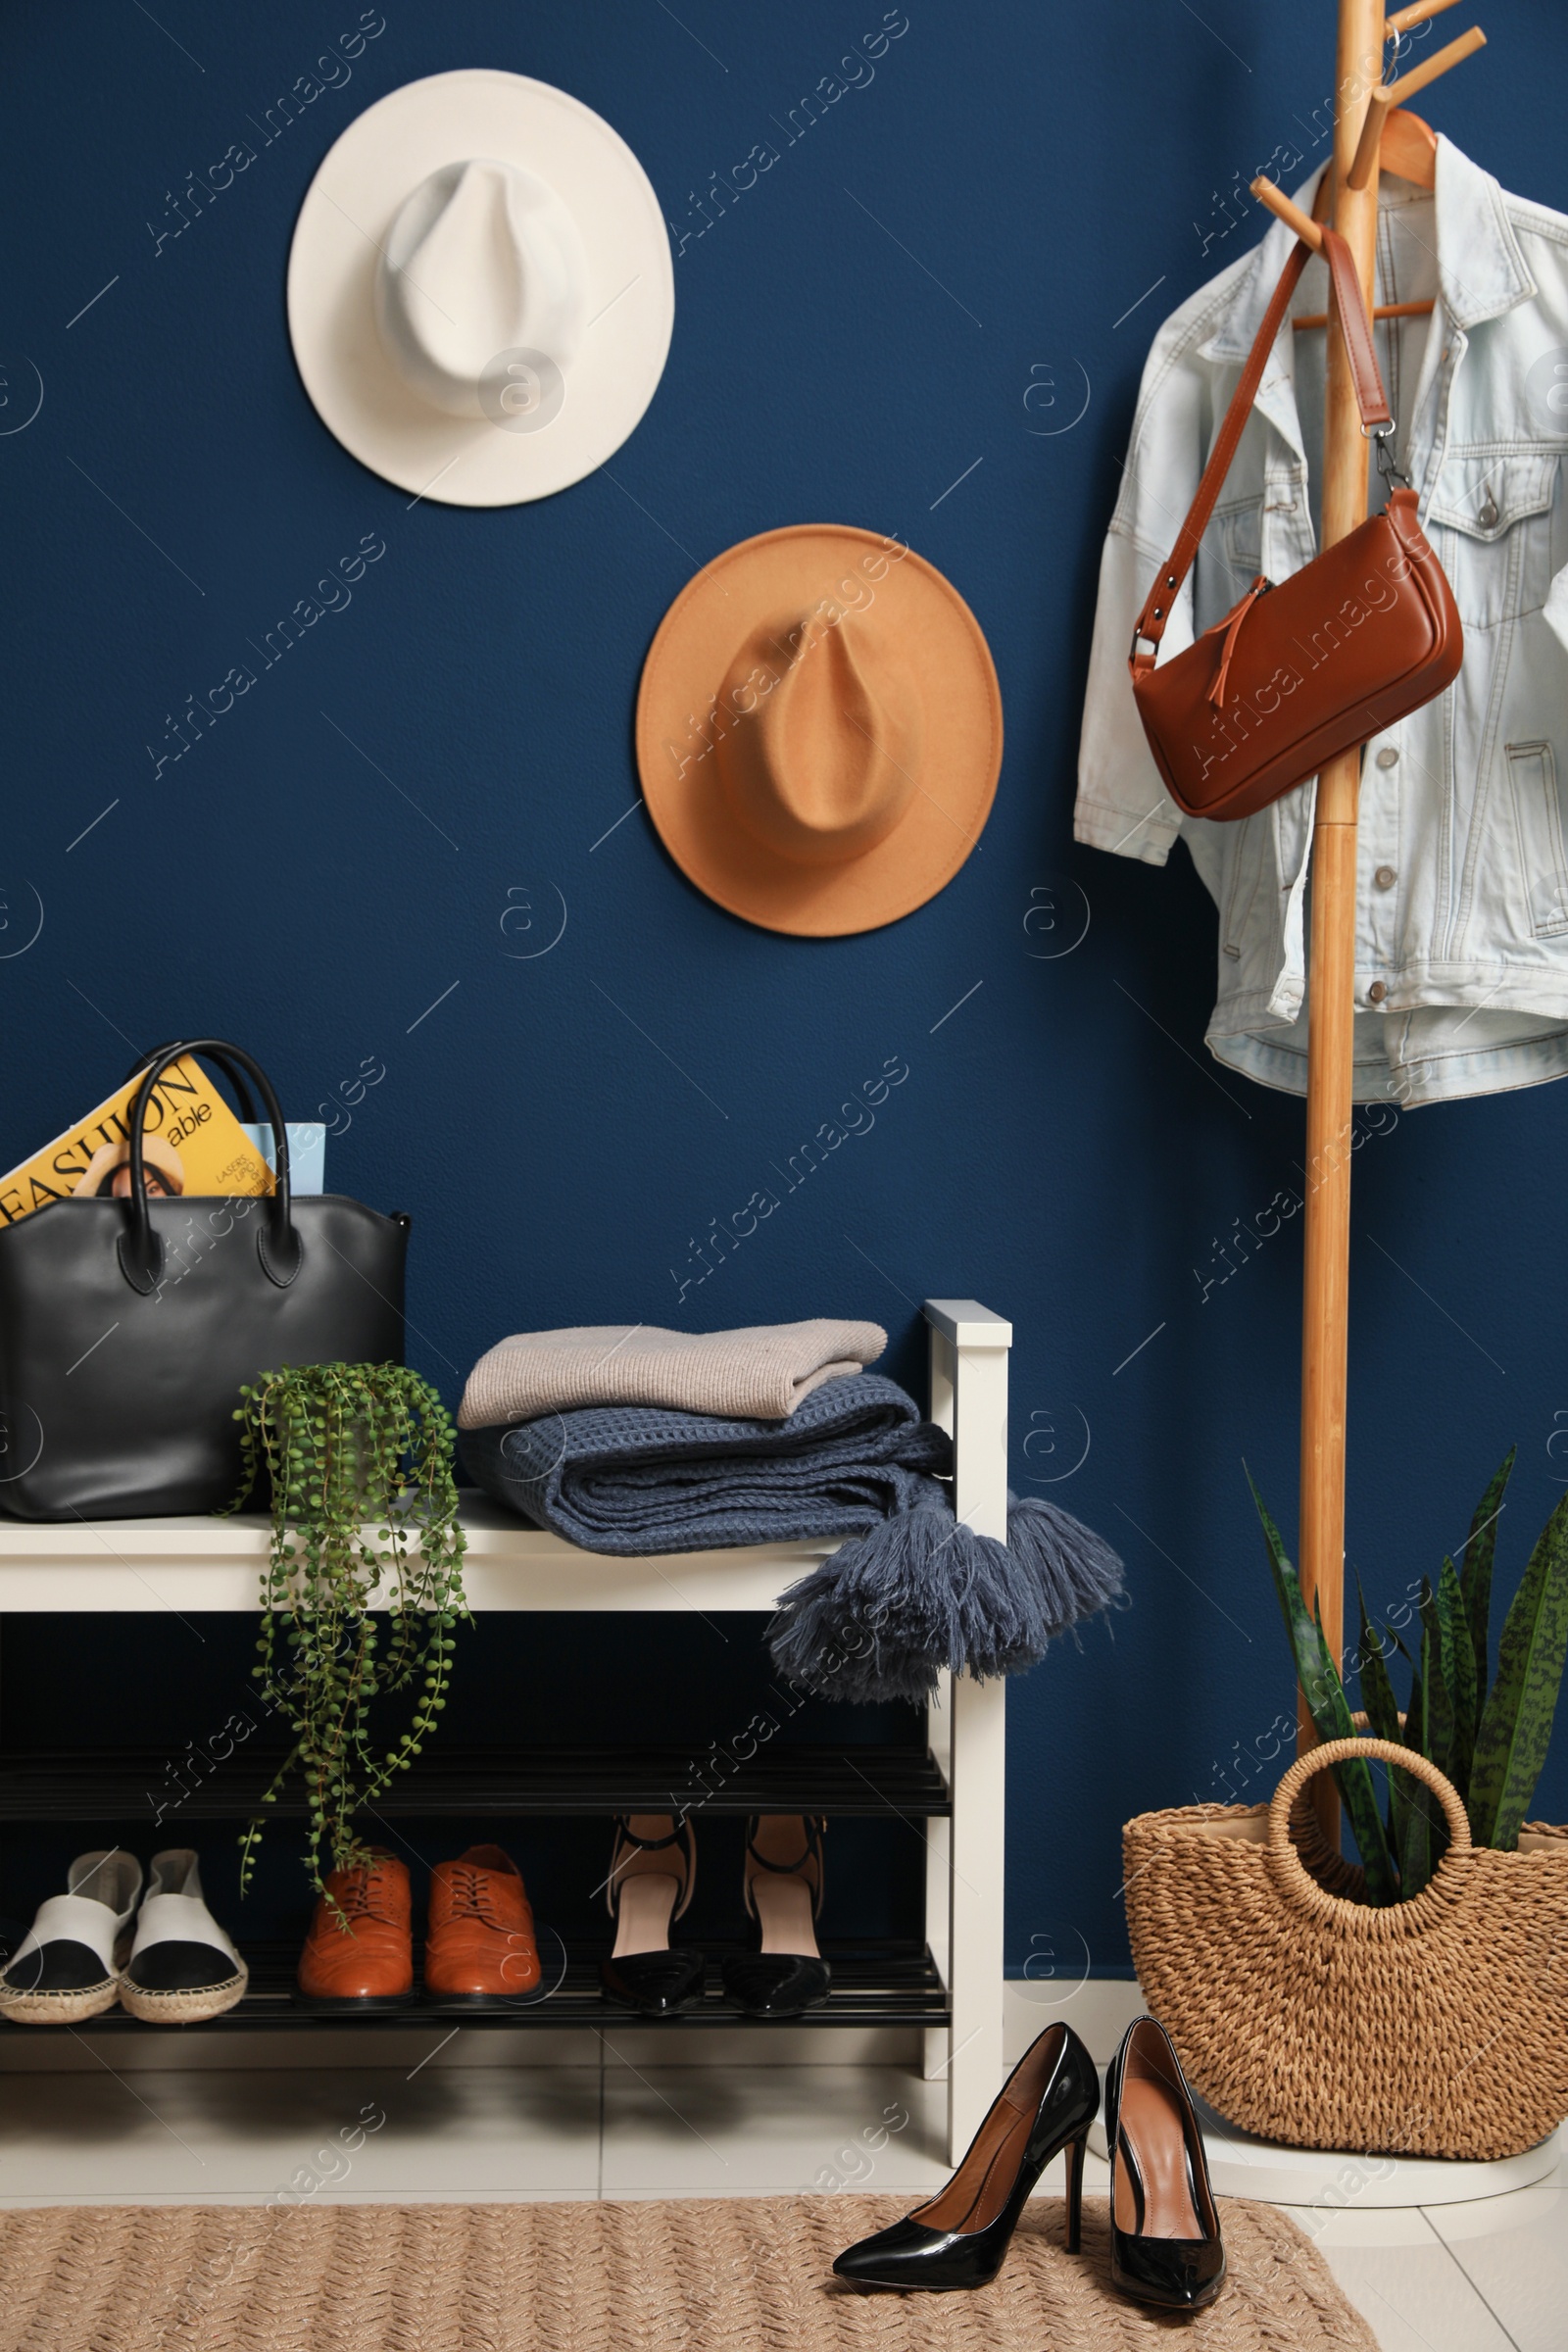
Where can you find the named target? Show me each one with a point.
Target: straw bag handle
(1335, 1752)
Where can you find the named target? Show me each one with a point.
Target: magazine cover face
(192, 1143)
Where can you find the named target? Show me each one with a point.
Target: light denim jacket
(1462, 959)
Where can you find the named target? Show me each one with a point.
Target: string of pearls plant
(364, 1508)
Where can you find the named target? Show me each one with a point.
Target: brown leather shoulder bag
(1303, 669)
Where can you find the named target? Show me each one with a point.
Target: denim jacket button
(1377, 991)
(1385, 879)
(1387, 757)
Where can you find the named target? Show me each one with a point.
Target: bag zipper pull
(1260, 587)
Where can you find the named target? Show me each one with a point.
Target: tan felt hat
(819, 730)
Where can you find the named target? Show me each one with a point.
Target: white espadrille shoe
(65, 1968)
(182, 1967)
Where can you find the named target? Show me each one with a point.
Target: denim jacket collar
(1480, 267)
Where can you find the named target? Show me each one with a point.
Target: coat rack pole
(1331, 970)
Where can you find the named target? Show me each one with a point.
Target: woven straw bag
(1437, 2026)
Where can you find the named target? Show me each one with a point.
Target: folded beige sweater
(759, 1374)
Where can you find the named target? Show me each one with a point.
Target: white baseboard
(1099, 2010)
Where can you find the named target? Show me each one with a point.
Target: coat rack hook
(1395, 93)
(1404, 18)
(1290, 214)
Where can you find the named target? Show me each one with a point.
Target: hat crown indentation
(817, 762)
(482, 257)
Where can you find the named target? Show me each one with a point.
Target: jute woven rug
(731, 2275)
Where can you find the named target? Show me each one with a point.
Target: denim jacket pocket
(1543, 854)
(1493, 514)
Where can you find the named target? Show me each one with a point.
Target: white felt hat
(480, 293)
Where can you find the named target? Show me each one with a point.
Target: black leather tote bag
(127, 1328)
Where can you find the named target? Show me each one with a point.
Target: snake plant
(364, 1521)
(1488, 1734)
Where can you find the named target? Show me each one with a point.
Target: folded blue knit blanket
(633, 1478)
(912, 1591)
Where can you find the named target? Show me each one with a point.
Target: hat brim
(940, 646)
(351, 204)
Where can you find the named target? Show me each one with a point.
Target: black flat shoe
(776, 1984)
(656, 1984)
(960, 2237)
(786, 1974)
(1165, 2245)
(652, 1874)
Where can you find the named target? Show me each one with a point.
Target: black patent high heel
(649, 1884)
(960, 2237)
(786, 1974)
(1165, 2243)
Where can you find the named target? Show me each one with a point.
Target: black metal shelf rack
(127, 1784)
(874, 1983)
(885, 1982)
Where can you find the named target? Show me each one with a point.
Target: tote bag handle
(235, 1077)
(278, 1244)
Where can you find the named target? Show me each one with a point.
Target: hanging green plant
(1489, 1735)
(365, 1509)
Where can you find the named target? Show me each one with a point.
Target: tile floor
(1480, 2278)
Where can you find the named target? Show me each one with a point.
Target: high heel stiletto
(961, 2237)
(1165, 2245)
(786, 1974)
(651, 1880)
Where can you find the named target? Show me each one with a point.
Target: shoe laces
(363, 1896)
(472, 1894)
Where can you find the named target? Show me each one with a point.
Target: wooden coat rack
(1372, 131)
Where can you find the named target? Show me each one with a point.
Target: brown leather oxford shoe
(480, 1951)
(359, 1957)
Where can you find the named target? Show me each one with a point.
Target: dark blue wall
(931, 277)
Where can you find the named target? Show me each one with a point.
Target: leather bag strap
(278, 1244)
(1371, 399)
(235, 1076)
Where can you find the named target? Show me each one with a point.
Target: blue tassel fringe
(921, 1591)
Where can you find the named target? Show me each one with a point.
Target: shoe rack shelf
(128, 1785)
(874, 1983)
(952, 1986)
